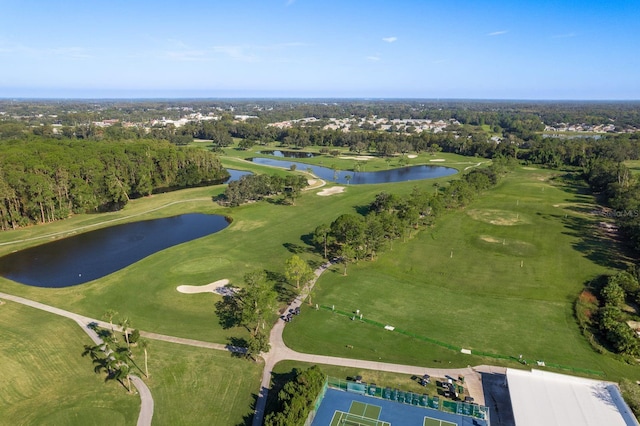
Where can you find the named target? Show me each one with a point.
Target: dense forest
(43, 180)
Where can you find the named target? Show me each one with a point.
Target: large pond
(289, 154)
(235, 175)
(401, 174)
(91, 255)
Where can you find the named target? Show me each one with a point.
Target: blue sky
(539, 49)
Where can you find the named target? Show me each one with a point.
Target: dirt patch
(331, 191)
(498, 217)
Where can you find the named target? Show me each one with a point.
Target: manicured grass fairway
(261, 236)
(44, 378)
(195, 386)
(479, 298)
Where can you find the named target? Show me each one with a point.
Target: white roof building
(544, 398)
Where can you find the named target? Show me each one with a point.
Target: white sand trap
(438, 159)
(412, 156)
(214, 287)
(360, 157)
(330, 191)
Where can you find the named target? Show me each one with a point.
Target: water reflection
(91, 255)
(401, 174)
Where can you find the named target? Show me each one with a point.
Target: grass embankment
(47, 381)
(500, 276)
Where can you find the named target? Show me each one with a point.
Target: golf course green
(499, 277)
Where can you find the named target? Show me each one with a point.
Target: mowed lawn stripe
(45, 376)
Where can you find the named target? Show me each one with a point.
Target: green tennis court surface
(360, 414)
(365, 410)
(340, 418)
(430, 421)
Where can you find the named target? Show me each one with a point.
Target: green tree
(144, 344)
(258, 300)
(613, 294)
(258, 342)
(322, 237)
(347, 255)
(125, 323)
(109, 316)
(298, 271)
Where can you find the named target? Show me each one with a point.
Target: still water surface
(91, 255)
(401, 174)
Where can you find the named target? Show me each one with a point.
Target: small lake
(91, 255)
(289, 154)
(401, 174)
(235, 175)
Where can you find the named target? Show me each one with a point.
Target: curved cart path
(278, 352)
(146, 400)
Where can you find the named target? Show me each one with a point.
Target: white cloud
(497, 33)
(390, 39)
(290, 2)
(373, 58)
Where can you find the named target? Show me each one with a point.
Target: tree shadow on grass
(286, 292)
(592, 242)
(236, 346)
(228, 311)
(572, 183)
(247, 419)
(295, 248)
(362, 210)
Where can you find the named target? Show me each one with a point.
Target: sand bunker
(214, 287)
(412, 156)
(437, 159)
(330, 191)
(360, 158)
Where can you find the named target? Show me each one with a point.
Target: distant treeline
(44, 180)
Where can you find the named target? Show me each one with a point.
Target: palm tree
(109, 316)
(125, 324)
(92, 351)
(144, 344)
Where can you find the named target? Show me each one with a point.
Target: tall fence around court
(316, 404)
(410, 398)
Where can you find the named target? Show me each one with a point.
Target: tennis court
(340, 408)
(360, 414)
(340, 418)
(430, 421)
(365, 410)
